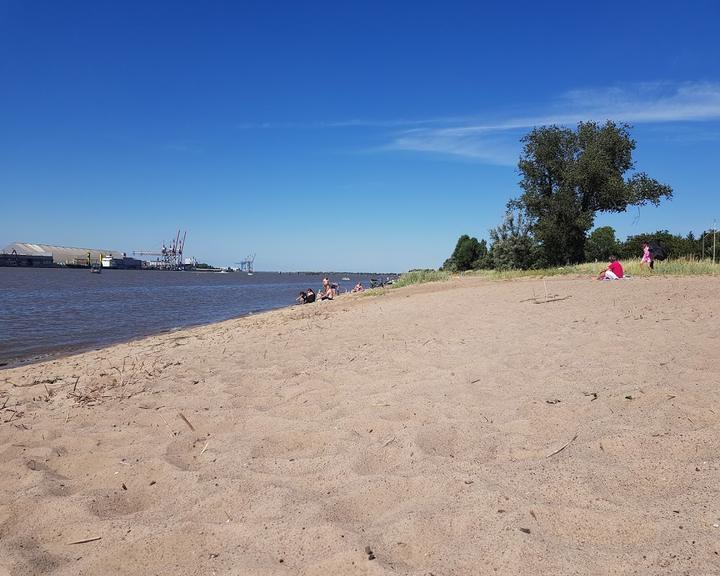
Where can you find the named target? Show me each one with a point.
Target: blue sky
(334, 135)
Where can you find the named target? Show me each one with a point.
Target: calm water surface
(49, 310)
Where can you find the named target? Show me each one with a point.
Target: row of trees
(568, 177)
(601, 243)
(509, 251)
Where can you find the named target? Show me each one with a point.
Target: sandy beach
(465, 427)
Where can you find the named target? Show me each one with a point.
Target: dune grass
(678, 267)
(420, 277)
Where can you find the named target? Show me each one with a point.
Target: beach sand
(450, 428)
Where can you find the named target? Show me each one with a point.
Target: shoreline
(51, 324)
(69, 350)
(443, 426)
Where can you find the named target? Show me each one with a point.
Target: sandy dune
(456, 428)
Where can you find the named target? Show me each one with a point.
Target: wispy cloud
(350, 123)
(493, 138)
(496, 142)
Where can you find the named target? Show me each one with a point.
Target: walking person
(646, 257)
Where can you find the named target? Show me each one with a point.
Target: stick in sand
(186, 421)
(551, 300)
(562, 447)
(86, 540)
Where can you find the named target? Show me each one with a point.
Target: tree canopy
(601, 244)
(468, 254)
(512, 245)
(569, 176)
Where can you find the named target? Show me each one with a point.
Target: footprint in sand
(113, 503)
(184, 451)
(50, 483)
(437, 440)
(33, 558)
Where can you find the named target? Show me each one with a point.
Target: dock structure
(169, 257)
(14, 259)
(47, 255)
(247, 264)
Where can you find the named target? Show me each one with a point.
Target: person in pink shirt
(614, 271)
(647, 256)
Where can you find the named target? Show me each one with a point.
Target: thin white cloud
(496, 142)
(350, 123)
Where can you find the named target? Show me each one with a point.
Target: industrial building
(26, 254)
(26, 260)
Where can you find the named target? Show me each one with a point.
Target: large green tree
(601, 244)
(568, 176)
(469, 254)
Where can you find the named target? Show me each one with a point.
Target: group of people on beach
(614, 270)
(328, 291)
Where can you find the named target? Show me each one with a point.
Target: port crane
(170, 257)
(247, 264)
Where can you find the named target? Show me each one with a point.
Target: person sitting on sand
(326, 292)
(302, 298)
(614, 271)
(309, 296)
(358, 287)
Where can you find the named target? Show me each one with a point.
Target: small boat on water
(345, 278)
(94, 269)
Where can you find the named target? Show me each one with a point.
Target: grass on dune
(420, 277)
(677, 267)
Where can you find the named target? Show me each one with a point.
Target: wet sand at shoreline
(465, 427)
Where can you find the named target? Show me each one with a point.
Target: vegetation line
(420, 277)
(673, 267)
(677, 267)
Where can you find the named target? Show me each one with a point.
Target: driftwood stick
(551, 300)
(86, 540)
(562, 447)
(388, 442)
(186, 421)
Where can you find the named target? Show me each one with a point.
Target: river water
(56, 310)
